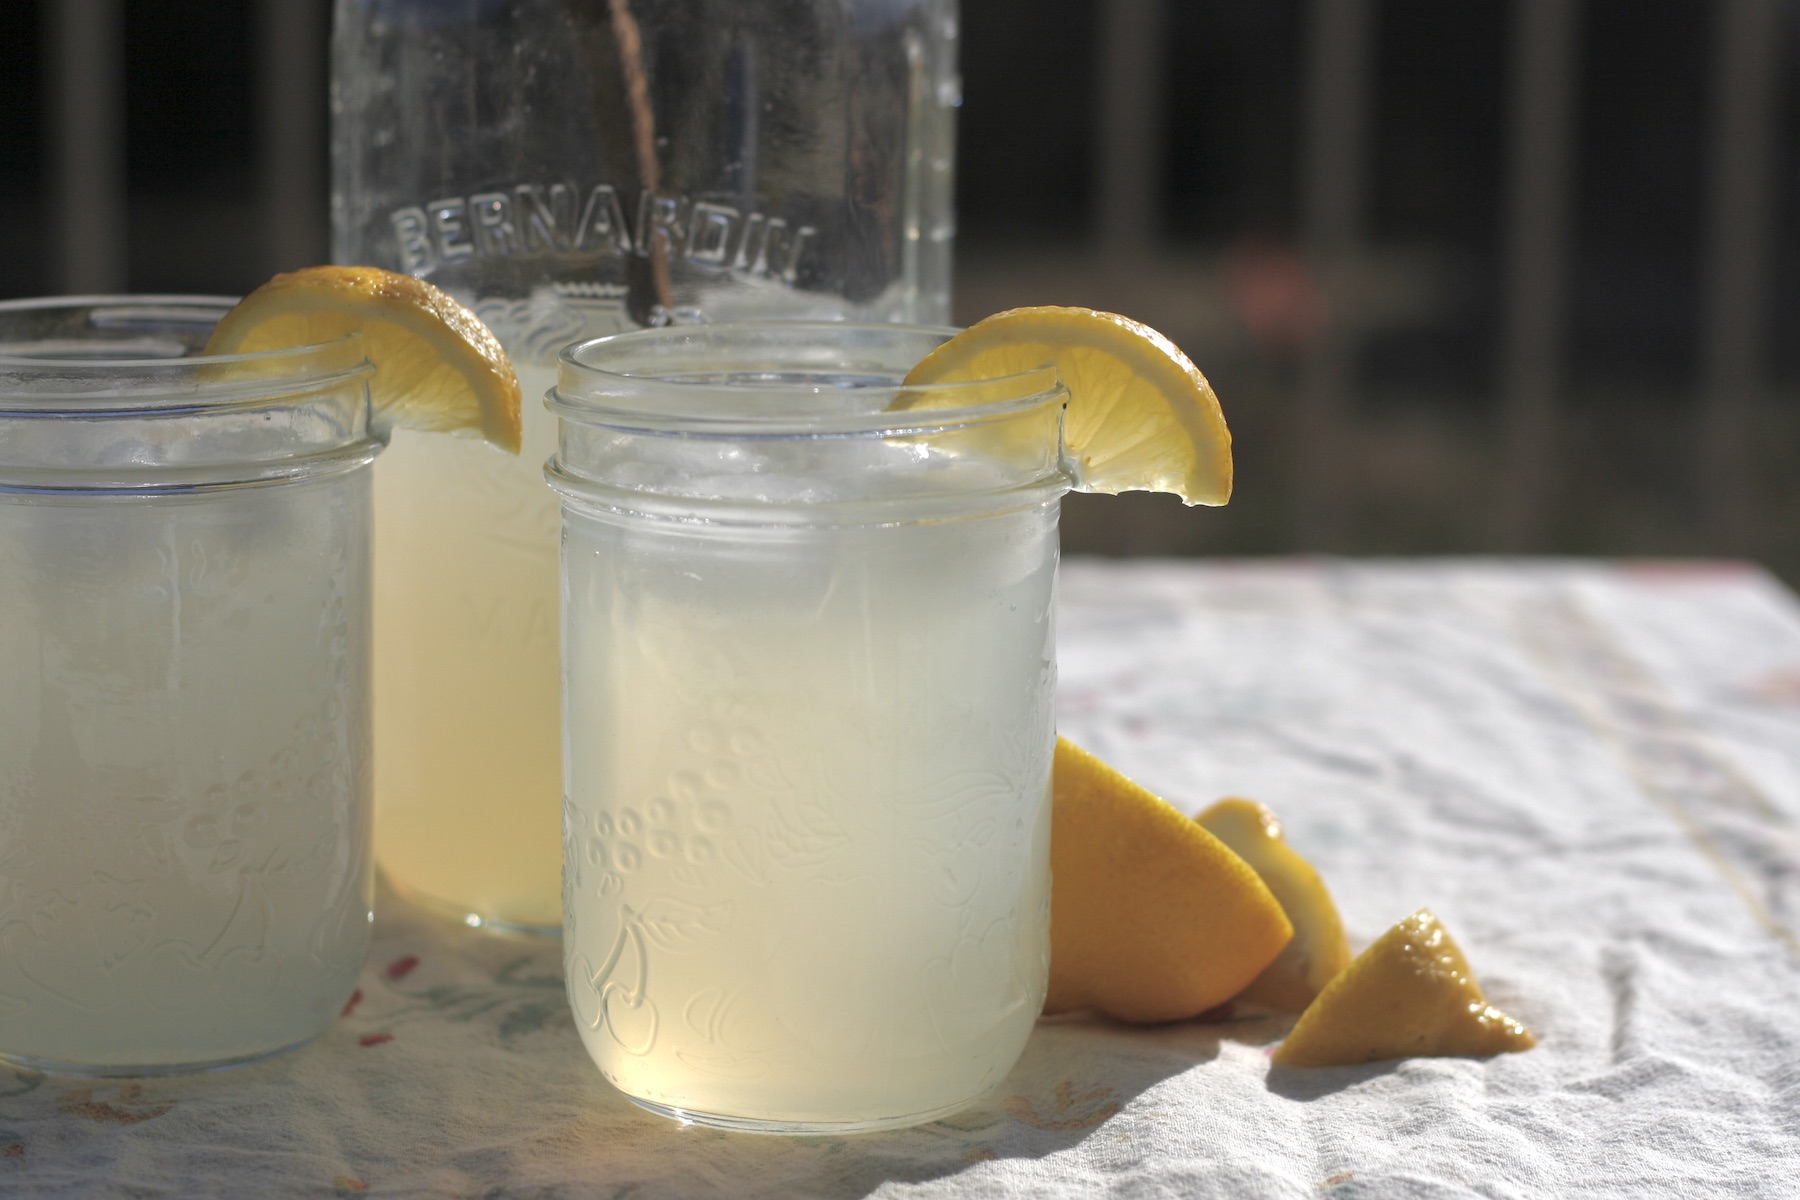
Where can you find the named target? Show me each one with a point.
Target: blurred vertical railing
(1539, 152)
(84, 52)
(84, 80)
(1544, 53)
(84, 55)
(1340, 70)
(1130, 127)
(1737, 283)
(291, 105)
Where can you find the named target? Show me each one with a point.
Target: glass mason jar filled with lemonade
(569, 170)
(809, 669)
(184, 688)
(808, 619)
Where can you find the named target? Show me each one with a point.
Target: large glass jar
(571, 168)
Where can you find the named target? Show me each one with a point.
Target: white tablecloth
(1591, 773)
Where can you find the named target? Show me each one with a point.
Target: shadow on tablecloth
(456, 1070)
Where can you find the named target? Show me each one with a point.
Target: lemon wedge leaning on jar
(437, 367)
(1152, 918)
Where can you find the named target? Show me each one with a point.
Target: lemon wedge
(1410, 994)
(1319, 949)
(1151, 917)
(436, 365)
(1140, 417)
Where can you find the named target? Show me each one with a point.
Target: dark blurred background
(1469, 276)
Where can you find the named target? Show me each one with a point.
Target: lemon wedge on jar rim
(1140, 416)
(437, 366)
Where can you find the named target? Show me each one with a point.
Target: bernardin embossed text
(562, 218)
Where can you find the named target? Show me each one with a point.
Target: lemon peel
(1410, 994)
(1319, 949)
(1152, 918)
(1140, 415)
(436, 365)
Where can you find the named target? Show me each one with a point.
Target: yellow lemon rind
(1152, 918)
(1410, 994)
(442, 349)
(1319, 949)
(1140, 415)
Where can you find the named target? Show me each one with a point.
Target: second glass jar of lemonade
(570, 169)
(809, 667)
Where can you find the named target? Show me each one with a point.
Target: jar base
(732, 1123)
(462, 914)
(76, 1070)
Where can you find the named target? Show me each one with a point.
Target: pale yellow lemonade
(468, 773)
(778, 905)
(185, 775)
(184, 719)
(810, 668)
(185, 654)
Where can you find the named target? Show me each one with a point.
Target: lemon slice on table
(1152, 918)
(1319, 949)
(1410, 994)
(1140, 417)
(437, 366)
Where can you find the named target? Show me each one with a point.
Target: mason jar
(808, 623)
(571, 168)
(184, 688)
(584, 166)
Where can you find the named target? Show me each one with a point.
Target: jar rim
(780, 379)
(145, 365)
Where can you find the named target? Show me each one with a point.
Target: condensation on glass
(184, 645)
(809, 665)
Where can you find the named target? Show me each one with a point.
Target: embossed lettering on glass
(570, 168)
(184, 650)
(809, 666)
